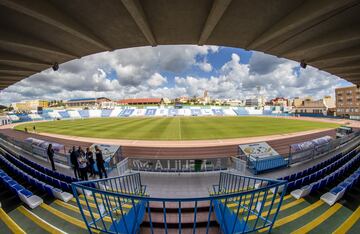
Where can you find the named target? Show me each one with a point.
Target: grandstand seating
(126, 112)
(64, 114)
(218, 112)
(34, 116)
(241, 111)
(147, 111)
(47, 171)
(152, 112)
(195, 112)
(94, 113)
(84, 113)
(298, 216)
(45, 183)
(302, 216)
(315, 168)
(41, 175)
(321, 180)
(24, 117)
(229, 112)
(74, 114)
(45, 115)
(54, 217)
(115, 112)
(338, 191)
(173, 112)
(307, 178)
(25, 195)
(55, 115)
(105, 113)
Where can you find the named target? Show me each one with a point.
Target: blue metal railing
(237, 204)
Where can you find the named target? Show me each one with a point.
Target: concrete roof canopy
(36, 34)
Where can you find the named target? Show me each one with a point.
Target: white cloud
(140, 72)
(156, 80)
(205, 66)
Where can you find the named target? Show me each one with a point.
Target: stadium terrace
(144, 165)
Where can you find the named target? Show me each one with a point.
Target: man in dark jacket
(50, 153)
(100, 162)
(90, 158)
(74, 161)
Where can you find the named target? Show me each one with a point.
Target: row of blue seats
(315, 176)
(84, 113)
(218, 112)
(39, 175)
(311, 170)
(64, 114)
(348, 183)
(106, 113)
(21, 174)
(13, 185)
(126, 112)
(336, 174)
(57, 175)
(36, 182)
(24, 194)
(338, 191)
(328, 179)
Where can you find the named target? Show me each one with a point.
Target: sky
(174, 71)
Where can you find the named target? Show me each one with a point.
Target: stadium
(178, 168)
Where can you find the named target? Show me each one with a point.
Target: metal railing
(237, 204)
(239, 163)
(318, 150)
(123, 166)
(33, 150)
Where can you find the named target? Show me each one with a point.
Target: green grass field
(176, 128)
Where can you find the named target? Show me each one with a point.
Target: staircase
(187, 218)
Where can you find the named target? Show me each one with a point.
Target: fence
(316, 151)
(22, 147)
(179, 165)
(123, 166)
(121, 205)
(239, 163)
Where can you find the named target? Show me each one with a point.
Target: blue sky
(172, 71)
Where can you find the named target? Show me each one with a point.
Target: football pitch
(175, 128)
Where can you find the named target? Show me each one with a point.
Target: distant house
(325, 106)
(86, 102)
(279, 101)
(141, 101)
(30, 105)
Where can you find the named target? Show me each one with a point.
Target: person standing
(50, 153)
(100, 162)
(34, 129)
(81, 151)
(90, 158)
(82, 166)
(73, 159)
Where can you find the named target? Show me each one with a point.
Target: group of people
(83, 162)
(26, 129)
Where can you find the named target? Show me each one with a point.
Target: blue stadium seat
(298, 183)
